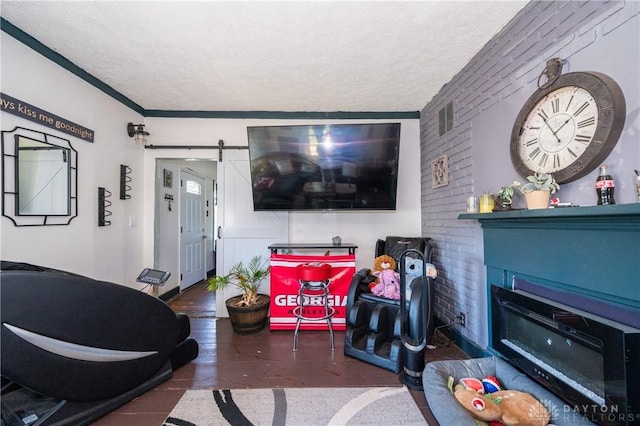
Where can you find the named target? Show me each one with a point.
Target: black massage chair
(378, 330)
(74, 348)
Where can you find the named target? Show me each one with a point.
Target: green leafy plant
(246, 277)
(506, 193)
(540, 182)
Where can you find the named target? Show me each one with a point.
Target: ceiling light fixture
(137, 132)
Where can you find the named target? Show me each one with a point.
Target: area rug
(297, 407)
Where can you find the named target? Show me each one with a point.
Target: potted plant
(247, 311)
(538, 190)
(505, 197)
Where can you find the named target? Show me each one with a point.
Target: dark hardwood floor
(261, 360)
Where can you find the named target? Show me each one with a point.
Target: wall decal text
(40, 116)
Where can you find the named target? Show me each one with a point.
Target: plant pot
(502, 208)
(499, 206)
(537, 199)
(248, 319)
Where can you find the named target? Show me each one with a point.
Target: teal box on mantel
(593, 251)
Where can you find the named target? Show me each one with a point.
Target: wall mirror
(39, 182)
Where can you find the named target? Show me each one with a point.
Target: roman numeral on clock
(556, 161)
(569, 103)
(586, 122)
(573, 154)
(543, 115)
(543, 160)
(582, 138)
(534, 153)
(555, 105)
(582, 108)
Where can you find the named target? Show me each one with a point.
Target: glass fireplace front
(589, 361)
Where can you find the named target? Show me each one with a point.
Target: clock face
(558, 129)
(568, 128)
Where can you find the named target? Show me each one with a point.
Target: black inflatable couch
(74, 348)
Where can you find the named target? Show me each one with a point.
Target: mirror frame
(10, 179)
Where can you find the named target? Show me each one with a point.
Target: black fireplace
(592, 362)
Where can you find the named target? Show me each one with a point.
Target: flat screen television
(324, 166)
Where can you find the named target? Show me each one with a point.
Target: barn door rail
(220, 147)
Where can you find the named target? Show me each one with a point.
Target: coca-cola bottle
(605, 187)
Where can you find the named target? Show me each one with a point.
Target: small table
(280, 247)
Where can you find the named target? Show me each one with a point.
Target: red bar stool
(314, 279)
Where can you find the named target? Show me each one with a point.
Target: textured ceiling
(267, 56)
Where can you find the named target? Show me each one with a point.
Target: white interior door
(192, 226)
(242, 232)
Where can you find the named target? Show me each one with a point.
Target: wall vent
(445, 119)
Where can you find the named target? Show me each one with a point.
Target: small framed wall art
(440, 172)
(168, 178)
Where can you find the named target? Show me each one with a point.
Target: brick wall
(487, 94)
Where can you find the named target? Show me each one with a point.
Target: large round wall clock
(568, 127)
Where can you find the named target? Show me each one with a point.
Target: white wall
(110, 253)
(119, 252)
(166, 235)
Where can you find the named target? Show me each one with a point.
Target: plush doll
(506, 407)
(413, 269)
(383, 262)
(387, 283)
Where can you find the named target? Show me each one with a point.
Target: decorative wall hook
(169, 199)
(552, 70)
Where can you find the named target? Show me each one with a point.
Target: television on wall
(324, 166)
